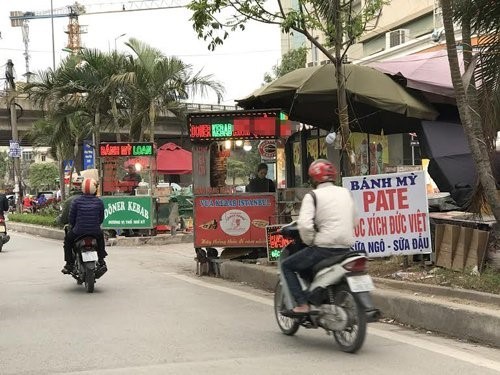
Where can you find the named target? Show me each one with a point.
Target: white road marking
(416, 342)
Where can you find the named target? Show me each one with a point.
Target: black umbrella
(375, 101)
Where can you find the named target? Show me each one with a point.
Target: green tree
(153, 82)
(294, 59)
(341, 21)
(477, 99)
(42, 175)
(4, 167)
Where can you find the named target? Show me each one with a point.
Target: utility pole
(14, 144)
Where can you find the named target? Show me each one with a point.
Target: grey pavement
(151, 315)
(460, 313)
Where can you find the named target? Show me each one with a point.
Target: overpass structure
(168, 127)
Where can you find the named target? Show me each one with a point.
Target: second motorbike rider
(326, 225)
(85, 218)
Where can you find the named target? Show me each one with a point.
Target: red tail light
(357, 265)
(2, 220)
(88, 242)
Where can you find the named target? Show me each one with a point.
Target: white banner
(393, 213)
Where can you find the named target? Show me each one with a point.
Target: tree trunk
(470, 117)
(97, 137)
(61, 175)
(116, 123)
(152, 117)
(341, 93)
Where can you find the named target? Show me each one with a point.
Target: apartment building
(401, 28)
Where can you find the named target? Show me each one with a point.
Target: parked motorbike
(4, 237)
(86, 270)
(338, 290)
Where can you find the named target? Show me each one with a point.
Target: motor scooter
(86, 270)
(338, 290)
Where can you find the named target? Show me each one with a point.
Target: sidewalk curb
(58, 234)
(479, 324)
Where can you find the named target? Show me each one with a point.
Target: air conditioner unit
(396, 38)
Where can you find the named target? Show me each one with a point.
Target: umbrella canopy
(172, 159)
(375, 101)
(429, 72)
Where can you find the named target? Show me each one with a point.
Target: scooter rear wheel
(351, 338)
(288, 326)
(89, 280)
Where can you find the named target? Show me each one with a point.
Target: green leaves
(42, 175)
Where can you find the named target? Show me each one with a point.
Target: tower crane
(74, 11)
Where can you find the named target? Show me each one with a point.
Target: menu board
(275, 242)
(216, 126)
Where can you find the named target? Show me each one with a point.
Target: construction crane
(74, 29)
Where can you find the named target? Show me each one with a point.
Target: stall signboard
(128, 212)
(275, 242)
(233, 221)
(393, 213)
(217, 126)
(127, 149)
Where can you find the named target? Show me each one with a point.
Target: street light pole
(53, 42)
(118, 37)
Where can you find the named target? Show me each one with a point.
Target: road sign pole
(17, 161)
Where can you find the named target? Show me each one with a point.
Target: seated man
(85, 217)
(326, 226)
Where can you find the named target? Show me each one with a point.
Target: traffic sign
(15, 150)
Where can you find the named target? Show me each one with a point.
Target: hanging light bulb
(238, 143)
(330, 138)
(227, 144)
(247, 146)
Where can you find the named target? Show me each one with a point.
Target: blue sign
(88, 155)
(68, 165)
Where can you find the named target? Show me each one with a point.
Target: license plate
(362, 283)
(2, 228)
(89, 256)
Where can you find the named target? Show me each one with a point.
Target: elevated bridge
(168, 128)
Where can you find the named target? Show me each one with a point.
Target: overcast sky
(239, 64)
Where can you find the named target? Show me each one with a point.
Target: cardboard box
(462, 249)
(163, 191)
(477, 249)
(447, 246)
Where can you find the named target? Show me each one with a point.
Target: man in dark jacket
(85, 217)
(261, 184)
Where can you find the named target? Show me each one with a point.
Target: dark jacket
(64, 218)
(86, 215)
(261, 185)
(4, 204)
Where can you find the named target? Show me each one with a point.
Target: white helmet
(89, 186)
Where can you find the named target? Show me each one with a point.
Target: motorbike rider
(63, 219)
(4, 204)
(85, 217)
(326, 224)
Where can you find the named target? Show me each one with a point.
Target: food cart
(226, 145)
(129, 202)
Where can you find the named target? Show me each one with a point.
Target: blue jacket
(86, 215)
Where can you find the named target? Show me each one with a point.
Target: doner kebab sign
(393, 213)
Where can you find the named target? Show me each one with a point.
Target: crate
(163, 191)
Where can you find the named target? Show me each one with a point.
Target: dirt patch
(393, 268)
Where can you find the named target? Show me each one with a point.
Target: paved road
(150, 315)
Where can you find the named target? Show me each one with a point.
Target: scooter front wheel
(288, 326)
(351, 338)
